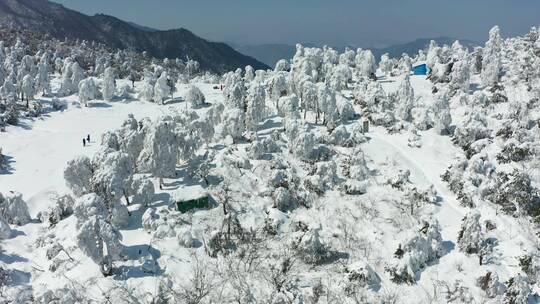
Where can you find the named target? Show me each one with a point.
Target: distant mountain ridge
(271, 53)
(60, 22)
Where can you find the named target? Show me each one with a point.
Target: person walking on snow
(84, 142)
(88, 138)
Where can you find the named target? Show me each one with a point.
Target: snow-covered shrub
(194, 96)
(63, 295)
(112, 178)
(513, 151)
(470, 236)
(13, 209)
(58, 104)
(185, 239)
(326, 174)
(424, 247)
(303, 145)
(472, 129)
(362, 274)
(310, 247)
(414, 140)
(78, 173)
(62, 208)
(422, 118)
(283, 200)
(35, 109)
(357, 166)
(490, 284)
(340, 137)
(515, 193)
(346, 110)
(518, 290)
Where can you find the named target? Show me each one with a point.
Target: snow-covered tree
(386, 65)
(518, 290)
(404, 99)
(161, 89)
(160, 151)
(441, 111)
(87, 90)
(233, 123)
(194, 96)
(13, 209)
(99, 240)
(77, 75)
(461, 74)
(43, 81)
(77, 175)
(249, 74)
(470, 236)
(310, 247)
(147, 90)
(282, 66)
(277, 87)
(112, 178)
(8, 91)
(365, 63)
(491, 54)
(255, 106)
(109, 83)
(27, 88)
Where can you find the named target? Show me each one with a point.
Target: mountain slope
(58, 21)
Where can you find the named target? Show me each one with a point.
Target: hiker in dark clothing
(88, 138)
(84, 142)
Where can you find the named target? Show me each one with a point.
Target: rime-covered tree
(161, 89)
(386, 65)
(491, 54)
(160, 151)
(78, 173)
(13, 209)
(404, 99)
(255, 106)
(109, 83)
(194, 96)
(365, 63)
(27, 88)
(470, 236)
(87, 90)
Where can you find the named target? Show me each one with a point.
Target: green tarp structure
(190, 198)
(199, 203)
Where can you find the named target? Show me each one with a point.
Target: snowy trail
(40, 148)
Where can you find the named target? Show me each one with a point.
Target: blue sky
(333, 22)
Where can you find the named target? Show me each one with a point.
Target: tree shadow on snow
(99, 105)
(145, 254)
(173, 101)
(12, 258)
(16, 277)
(15, 233)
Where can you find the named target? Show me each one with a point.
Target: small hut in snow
(419, 68)
(190, 198)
